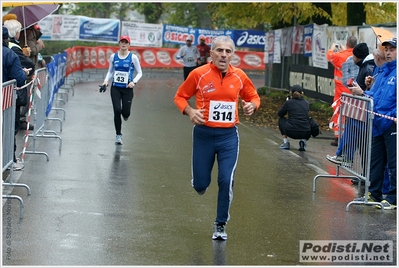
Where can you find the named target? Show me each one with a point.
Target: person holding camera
(337, 55)
(296, 126)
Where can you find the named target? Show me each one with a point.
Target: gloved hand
(102, 88)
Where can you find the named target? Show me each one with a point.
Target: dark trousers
(351, 138)
(293, 134)
(383, 152)
(209, 143)
(122, 102)
(187, 70)
(16, 128)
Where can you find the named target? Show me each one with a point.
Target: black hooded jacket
(366, 68)
(25, 61)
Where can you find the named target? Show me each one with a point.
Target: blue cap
(391, 41)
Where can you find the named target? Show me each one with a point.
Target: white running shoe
(219, 232)
(19, 165)
(118, 140)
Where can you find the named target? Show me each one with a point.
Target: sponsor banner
(209, 35)
(82, 57)
(308, 40)
(270, 46)
(297, 40)
(286, 41)
(266, 49)
(249, 38)
(178, 34)
(68, 27)
(99, 30)
(346, 251)
(277, 46)
(56, 76)
(319, 46)
(60, 28)
(143, 34)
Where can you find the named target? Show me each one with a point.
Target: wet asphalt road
(94, 203)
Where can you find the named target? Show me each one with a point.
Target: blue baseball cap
(391, 41)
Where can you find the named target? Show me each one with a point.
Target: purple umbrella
(28, 15)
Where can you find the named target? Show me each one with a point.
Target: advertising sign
(143, 34)
(249, 38)
(100, 30)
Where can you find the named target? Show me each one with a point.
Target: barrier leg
(21, 202)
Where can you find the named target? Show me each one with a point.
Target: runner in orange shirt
(337, 55)
(217, 88)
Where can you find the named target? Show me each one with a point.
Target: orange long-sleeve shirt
(208, 86)
(337, 59)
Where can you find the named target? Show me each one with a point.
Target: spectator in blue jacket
(12, 69)
(383, 147)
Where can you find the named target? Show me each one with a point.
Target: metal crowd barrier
(8, 141)
(355, 123)
(39, 100)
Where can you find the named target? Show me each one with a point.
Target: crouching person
(296, 124)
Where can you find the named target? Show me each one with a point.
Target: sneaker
(125, 118)
(285, 145)
(334, 142)
(337, 159)
(302, 145)
(201, 192)
(19, 165)
(219, 231)
(386, 205)
(364, 199)
(118, 139)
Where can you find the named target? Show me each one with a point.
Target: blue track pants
(222, 144)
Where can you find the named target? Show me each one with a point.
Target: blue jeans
(351, 137)
(207, 144)
(383, 152)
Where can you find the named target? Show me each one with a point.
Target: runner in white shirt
(190, 54)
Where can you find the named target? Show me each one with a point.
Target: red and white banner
(8, 96)
(82, 57)
(354, 108)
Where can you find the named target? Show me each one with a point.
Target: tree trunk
(204, 20)
(355, 14)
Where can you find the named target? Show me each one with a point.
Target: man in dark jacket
(365, 61)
